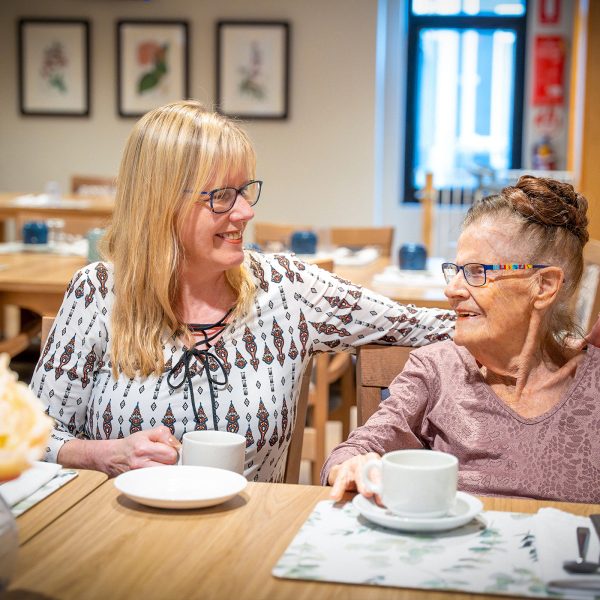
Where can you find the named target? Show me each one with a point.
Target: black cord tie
(202, 355)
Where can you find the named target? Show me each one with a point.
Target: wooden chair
(356, 237)
(266, 234)
(294, 456)
(376, 368)
(591, 307)
(93, 186)
(20, 342)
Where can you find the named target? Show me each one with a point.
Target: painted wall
(317, 166)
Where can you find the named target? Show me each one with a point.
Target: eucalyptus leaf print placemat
(493, 554)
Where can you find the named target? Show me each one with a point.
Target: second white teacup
(415, 483)
(220, 449)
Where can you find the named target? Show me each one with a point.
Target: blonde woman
(180, 328)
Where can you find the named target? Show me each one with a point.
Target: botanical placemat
(494, 554)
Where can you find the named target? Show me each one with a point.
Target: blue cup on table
(93, 237)
(413, 257)
(35, 232)
(303, 242)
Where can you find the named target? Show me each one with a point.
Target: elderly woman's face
(213, 241)
(499, 311)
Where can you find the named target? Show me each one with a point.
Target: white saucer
(180, 486)
(464, 510)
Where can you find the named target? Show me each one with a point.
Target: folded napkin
(556, 542)
(355, 258)
(31, 480)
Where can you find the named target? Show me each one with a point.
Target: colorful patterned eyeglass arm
(512, 267)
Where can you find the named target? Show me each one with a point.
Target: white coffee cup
(415, 483)
(220, 449)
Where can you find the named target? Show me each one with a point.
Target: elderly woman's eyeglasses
(222, 200)
(475, 273)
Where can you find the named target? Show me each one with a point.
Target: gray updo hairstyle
(552, 218)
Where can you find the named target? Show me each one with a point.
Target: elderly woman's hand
(593, 337)
(347, 476)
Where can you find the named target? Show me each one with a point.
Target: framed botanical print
(54, 67)
(253, 59)
(152, 65)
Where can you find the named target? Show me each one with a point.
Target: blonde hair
(552, 221)
(172, 151)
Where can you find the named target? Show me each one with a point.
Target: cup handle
(366, 472)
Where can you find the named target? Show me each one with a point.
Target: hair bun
(550, 203)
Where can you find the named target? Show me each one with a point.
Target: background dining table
(108, 546)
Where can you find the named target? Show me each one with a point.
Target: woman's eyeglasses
(222, 200)
(475, 273)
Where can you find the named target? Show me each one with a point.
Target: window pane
(469, 7)
(464, 104)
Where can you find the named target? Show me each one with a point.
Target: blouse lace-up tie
(204, 356)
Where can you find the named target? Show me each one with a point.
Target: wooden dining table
(108, 546)
(36, 281)
(39, 516)
(73, 205)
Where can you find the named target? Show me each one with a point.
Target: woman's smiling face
(498, 312)
(213, 241)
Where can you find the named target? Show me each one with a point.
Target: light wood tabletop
(431, 297)
(36, 281)
(73, 206)
(38, 517)
(107, 546)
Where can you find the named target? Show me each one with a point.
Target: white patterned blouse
(252, 382)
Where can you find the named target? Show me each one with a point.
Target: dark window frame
(416, 23)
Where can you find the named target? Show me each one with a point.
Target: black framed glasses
(222, 200)
(475, 273)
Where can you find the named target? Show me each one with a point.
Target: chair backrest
(47, 323)
(269, 233)
(292, 465)
(93, 186)
(382, 237)
(294, 455)
(376, 368)
(591, 284)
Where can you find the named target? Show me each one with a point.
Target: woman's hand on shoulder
(593, 337)
(150, 448)
(347, 476)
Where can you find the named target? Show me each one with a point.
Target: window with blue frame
(465, 91)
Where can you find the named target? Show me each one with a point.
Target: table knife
(584, 584)
(595, 519)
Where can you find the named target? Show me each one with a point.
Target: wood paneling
(590, 173)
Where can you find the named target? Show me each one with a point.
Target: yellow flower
(24, 428)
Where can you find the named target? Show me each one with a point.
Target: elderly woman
(515, 403)
(181, 329)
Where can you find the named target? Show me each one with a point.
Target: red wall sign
(549, 11)
(549, 71)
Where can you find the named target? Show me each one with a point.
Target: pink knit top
(441, 401)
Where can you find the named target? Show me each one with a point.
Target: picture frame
(253, 69)
(152, 65)
(54, 67)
